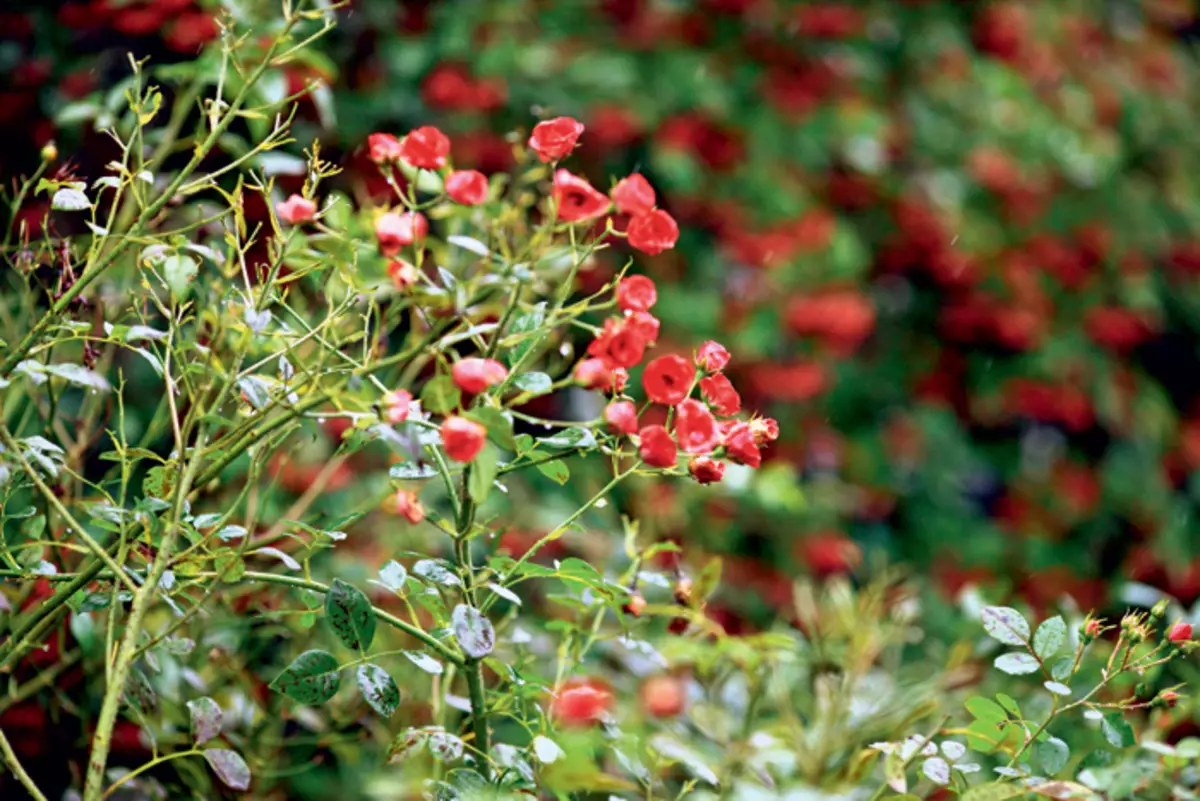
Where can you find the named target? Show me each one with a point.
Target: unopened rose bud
(1091, 629)
(683, 592)
(635, 605)
(49, 152)
(1167, 698)
(1180, 632)
(1159, 609)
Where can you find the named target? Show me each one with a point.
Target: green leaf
(468, 243)
(440, 395)
(524, 324)
(1052, 754)
(1117, 731)
(483, 473)
(894, 769)
(350, 615)
(311, 679)
(178, 271)
(1061, 670)
(556, 471)
(473, 631)
(996, 791)
(229, 767)
(573, 437)
(79, 375)
(1017, 664)
(1006, 624)
(1050, 637)
(425, 662)
(498, 424)
(535, 383)
(379, 689)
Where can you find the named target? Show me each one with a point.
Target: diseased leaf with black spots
(350, 615)
(379, 689)
(229, 767)
(311, 679)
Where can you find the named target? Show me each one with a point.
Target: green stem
(14, 764)
(25, 636)
(112, 788)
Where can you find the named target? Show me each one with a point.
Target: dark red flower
(384, 148)
(653, 232)
(706, 470)
(468, 187)
(556, 138)
(636, 293)
(474, 375)
(740, 445)
(576, 199)
(621, 417)
(712, 356)
(425, 148)
(718, 390)
(633, 195)
(668, 379)
(695, 427)
(463, 439)
(656, 447)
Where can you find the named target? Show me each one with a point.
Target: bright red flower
(396, 405)
(394, 231)
(695, 427)
(706, 470)
(653, 232)
(621, 417)
(712, 356)
(383, 148)
(462, 438)
(593, 374)
(581, 703)
(656, 447)
(663, 696)
(668, 379)
(425, 148)
(402, 273)
(633, 195)
(842, 318)
(474, 375)
(718, 390)
(1180, 632)
(645, 323)
(765, 430)
(468, 187)
(296, 210)
(556, 138)
(741, 447)
(408, 507)
(576, 199)
(620, 344)
(636, 293)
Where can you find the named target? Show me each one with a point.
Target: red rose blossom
(383, 148)
(556, 138)
(636, 293)
(741, 447)
(712, 356)
(468, 187)
(593, 374)
(402, 273)
(653, 232)
(581, 703)
(296, 210)
(668, 379)
(1180, 632)
(474, 375)
(695, 427)
(621, 417)
(645, 323)
(462, 438)
(656, 447)
(706, 470)
(718, 390)
(425, 148)
(576, 199)
(620, 344)
(394, 231)
(633, 195)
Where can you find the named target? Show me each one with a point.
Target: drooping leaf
(350, 615)
(379, 689)
(311, 679)
(229, 767)
(206, 719)
(474, 632)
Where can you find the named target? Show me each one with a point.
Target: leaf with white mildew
(70, 199)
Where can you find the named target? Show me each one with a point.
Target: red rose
(765, 430)
(556, 138)
(663, 696)
(620, 344)
(576, 199)
(396, 405)
(581, 703)
(636, 293)
(645, 323)
(593, 374)
(384, 148)
(425, 148)
(468, 187)
(296, 210)
(719, 392)
(695, 427)
(668, 379)
(462, 438)
(705, 470)
(653, 232)
(408, 507)
(712, 356)
(1180, 632)
(656, 447)
(633, 195)
(621, 417)
(402, 273)
(474, 375)
(741, 447)
(394, 231)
